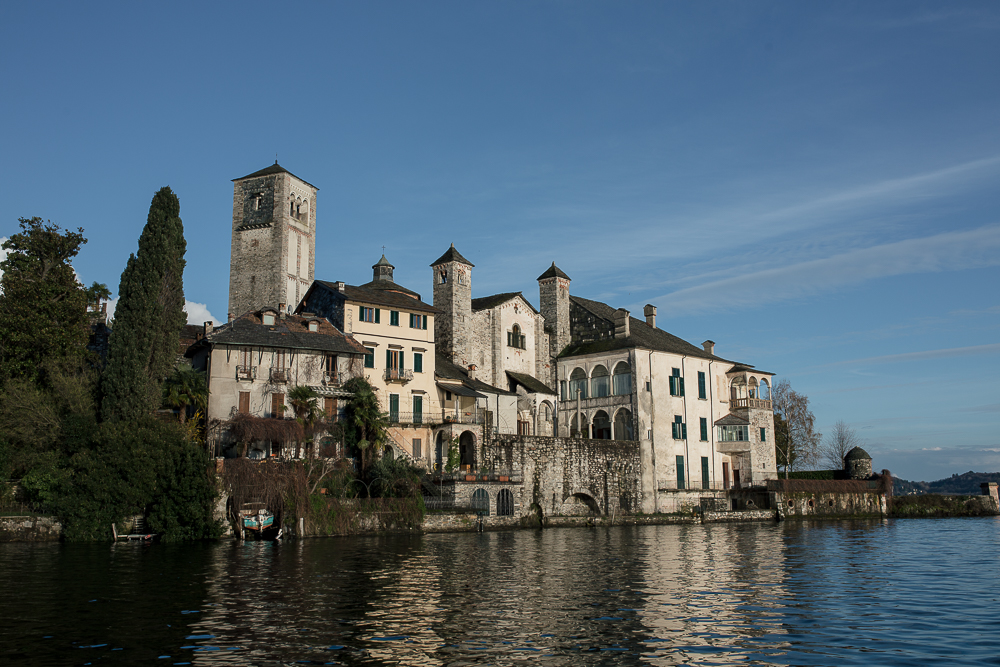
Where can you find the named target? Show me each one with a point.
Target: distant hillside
(967, 483)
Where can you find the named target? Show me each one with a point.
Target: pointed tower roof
(273, 169)
(452, 255)
(383, 262)
(553, 272)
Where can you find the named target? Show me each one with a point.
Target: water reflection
(829, 593)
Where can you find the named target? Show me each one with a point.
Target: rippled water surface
(831, 593)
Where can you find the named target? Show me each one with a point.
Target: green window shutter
(388, 358)
(418, 404)
(681, 380)
(361, 313)
(763, 434)
(684, 431)
(418, 362)
(425, 322)
(401, 365)
(376, 316)
(411, 321)
(672, 381)
(704, 429)
(705, 480)
(680, 472)
(701, 384)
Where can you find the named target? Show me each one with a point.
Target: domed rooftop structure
(857, 454)
(858, 464)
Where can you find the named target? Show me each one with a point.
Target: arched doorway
(623, 425)
(439, 453)
(505, 503)
(467, 449)
(602, 426)
(481, 502)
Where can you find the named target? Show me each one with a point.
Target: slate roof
(732, 420)
(290, 333)
(641, 335)
(531, 383)
(383, 293)
(740, 368)
(273, 169)
(446, 370)
(553, 272)
(451, 255)
(487, 302)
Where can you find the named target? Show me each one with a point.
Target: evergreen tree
(149, 316)
(43, 308)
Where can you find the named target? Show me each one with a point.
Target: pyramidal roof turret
(553, 272)
(452, 255)
(273, 169)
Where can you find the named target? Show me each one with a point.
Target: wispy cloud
(942, 252)
(990, 348)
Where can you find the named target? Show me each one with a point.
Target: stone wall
(831, 504)
(571, 476)
(30, 529)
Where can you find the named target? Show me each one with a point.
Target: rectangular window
(329, 408)
(394, 318)
(245, 402)
(418, 321)
(277, 405)
(763, 434)
(649, 386)
(394, 359)
(649, 434)
(704, 429)
(416, 448)
(725, 475)
(734, 433)
(447, 395)
(679, 428)
(369, 314)
(370, 357)
(701, 385)
(418, 409)
(562, 389)
(394, 408)
(418, 362)
(676, 383)
(705, 481)
(680, 472)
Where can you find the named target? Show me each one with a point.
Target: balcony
(246, 373)
(279, 375)
(475, 416)
(398, 375)
(405, 418)
(331, 379)
(744, 403)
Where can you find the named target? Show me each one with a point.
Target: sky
(814, 186)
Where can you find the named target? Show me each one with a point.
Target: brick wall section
(563, 475)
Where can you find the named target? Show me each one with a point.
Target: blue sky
(814, 186)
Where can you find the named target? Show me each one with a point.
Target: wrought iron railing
(398, 375)
(449, 416)
(396, 417)
(331, 378)
(694, 485)
(246, 372)
(279, 375)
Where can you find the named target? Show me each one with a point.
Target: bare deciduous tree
(796, 440)
(836, 445)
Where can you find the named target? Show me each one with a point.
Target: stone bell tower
(452, 278)
(272, 261)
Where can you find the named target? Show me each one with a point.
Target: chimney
(709, 346)
(650, 312)
(208, 327)
(621, 323)
(472, 371)
(281, 310)
(230, 318)
(340, 285)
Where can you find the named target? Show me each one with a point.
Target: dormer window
(314, 326)
(268, 318)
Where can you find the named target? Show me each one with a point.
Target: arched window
(765, 390)
(623, 425)
(577, 381)
(481, 502)
(621, 381)
(602, 425)
(546, 411)
(505, 503)
(515, 338)
(600, 382)
(752, 388)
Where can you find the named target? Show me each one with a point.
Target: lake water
(892, 592)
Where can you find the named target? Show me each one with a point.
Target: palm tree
(305, 402)
(184, 387)
(365, 425)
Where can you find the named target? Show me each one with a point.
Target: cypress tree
(149, 315)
